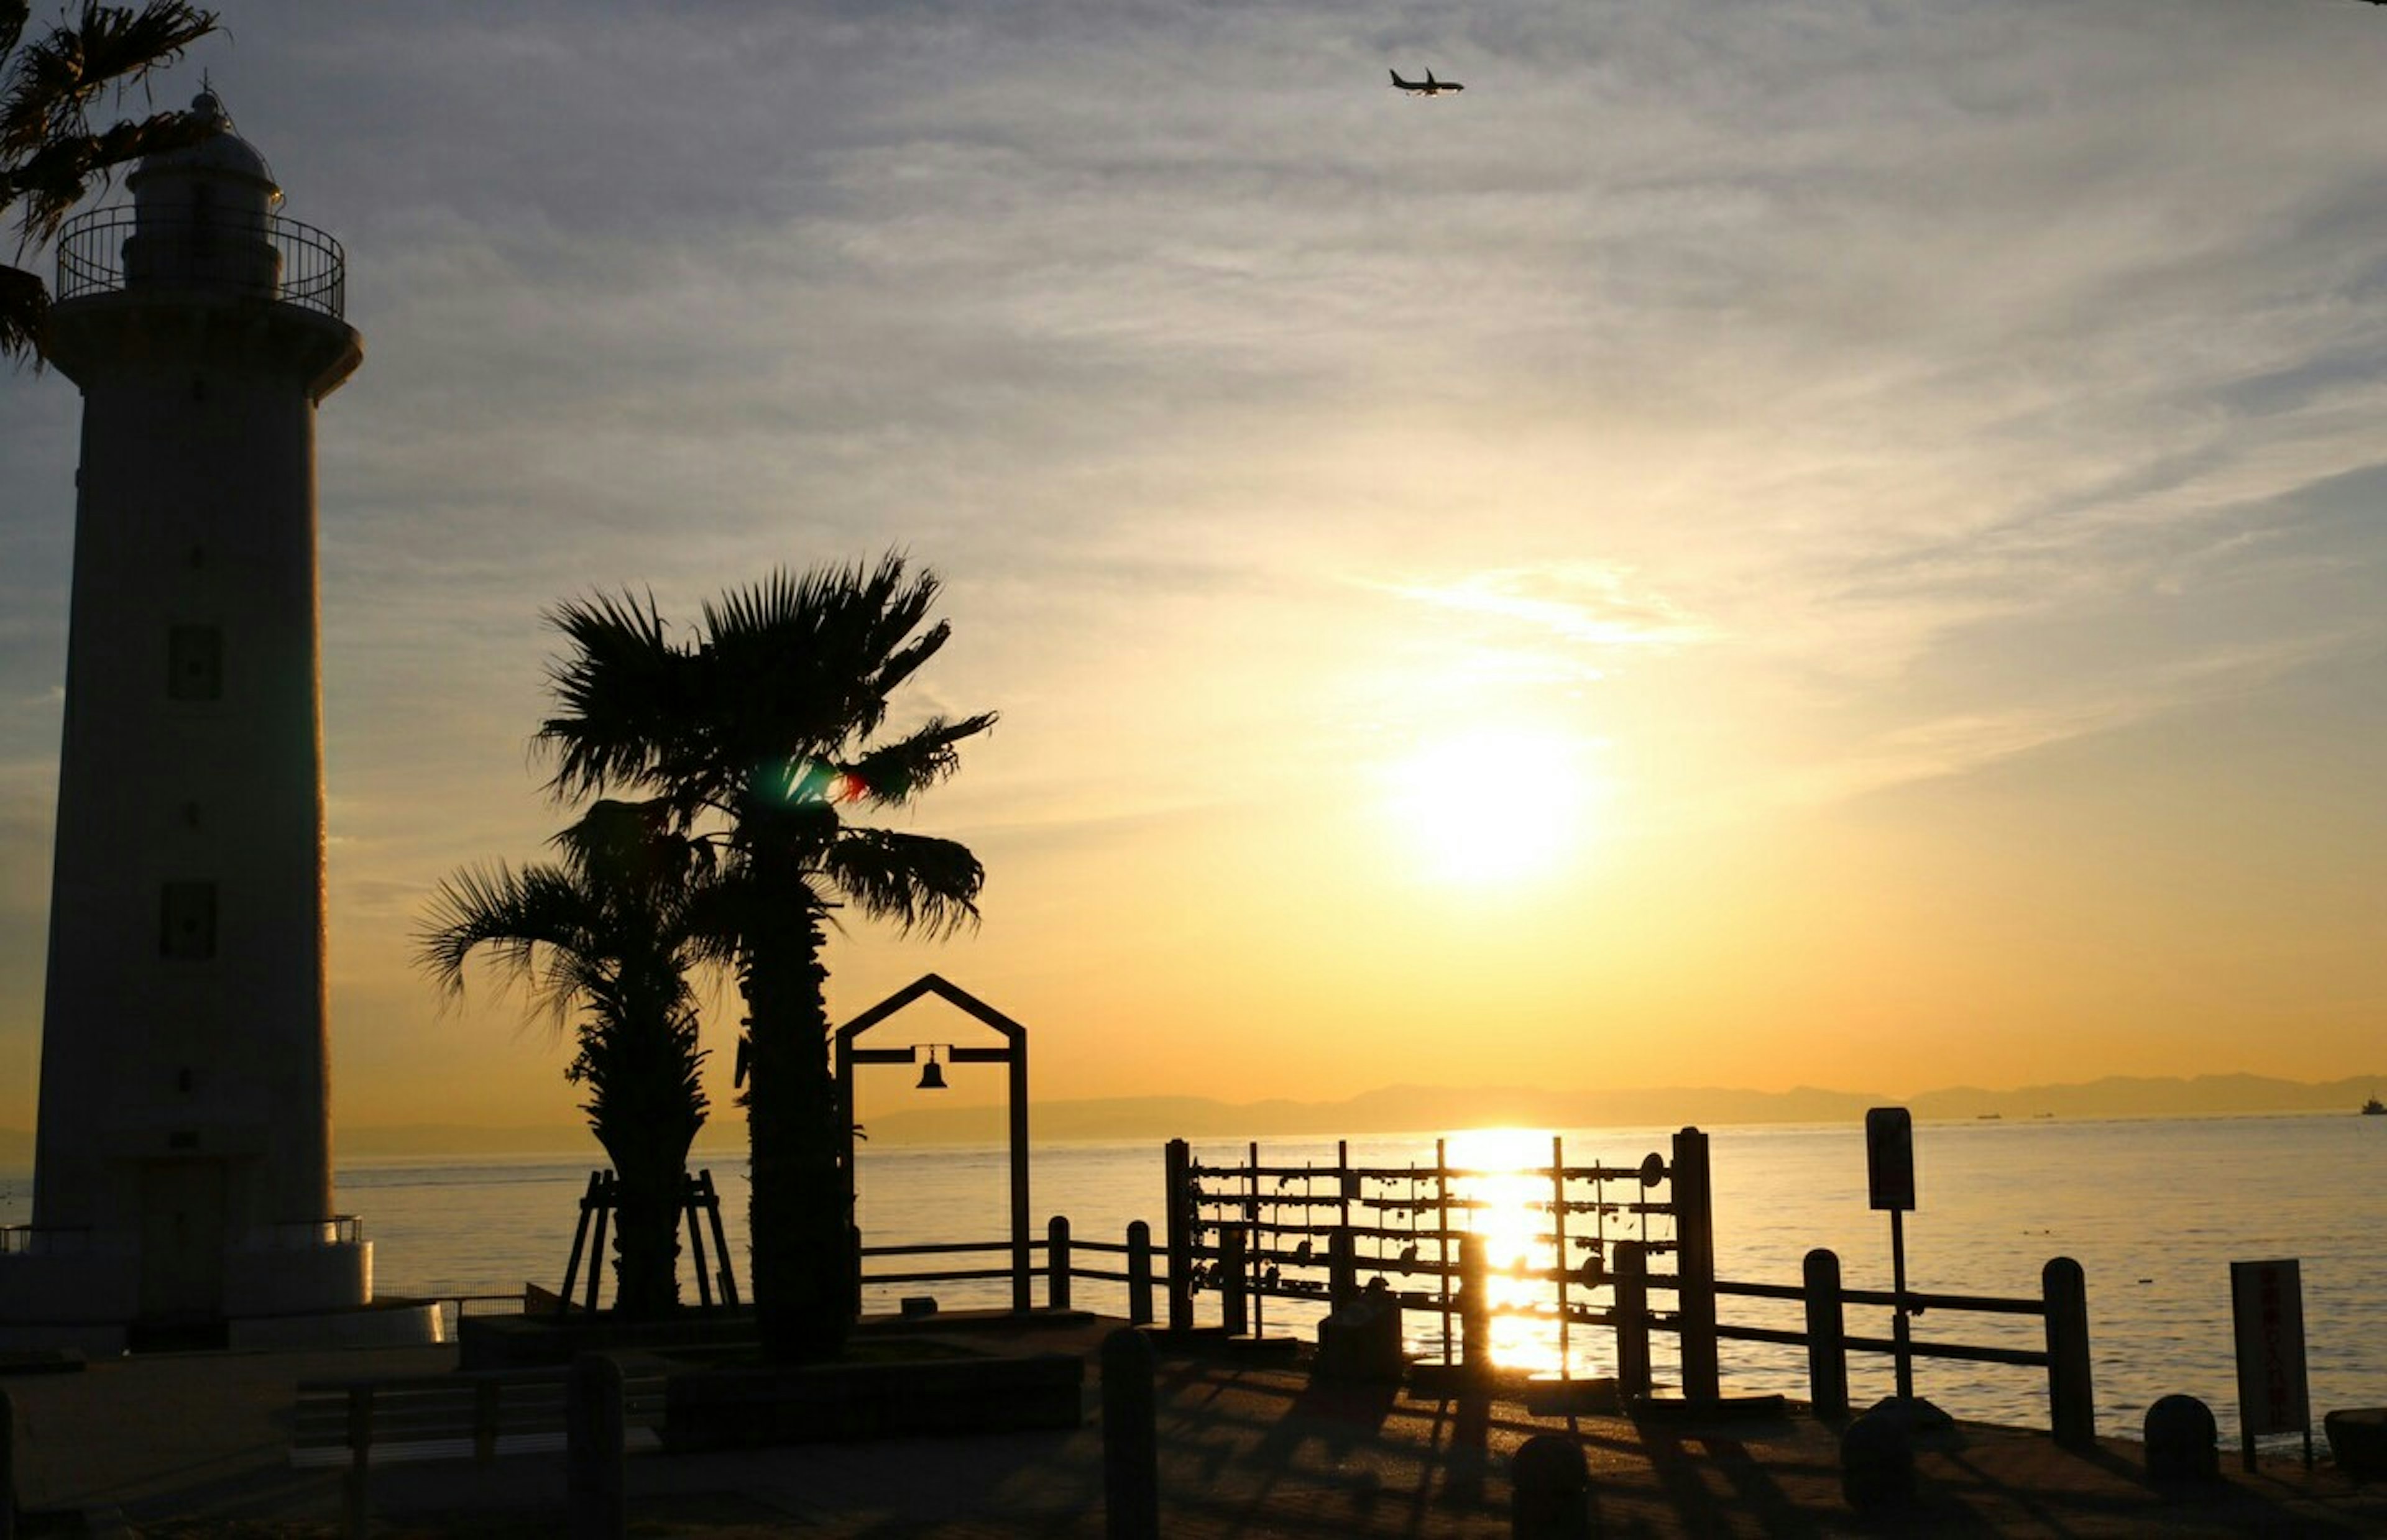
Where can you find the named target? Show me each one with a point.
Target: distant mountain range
(1397, 1110)
(1406, 1109)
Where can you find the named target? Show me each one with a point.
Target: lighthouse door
(182, 1239)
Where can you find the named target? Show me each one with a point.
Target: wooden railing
(1240, 1279)
(1252, 1233)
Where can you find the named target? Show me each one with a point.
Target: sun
(1495, 806)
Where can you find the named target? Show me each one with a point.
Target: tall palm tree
(49, 153)
(760, 735)
(609, 932)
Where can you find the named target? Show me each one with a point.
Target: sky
(1803, 542)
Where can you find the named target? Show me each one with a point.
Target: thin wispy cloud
(1591, 606)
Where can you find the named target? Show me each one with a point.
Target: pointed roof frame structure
(1013, 1053)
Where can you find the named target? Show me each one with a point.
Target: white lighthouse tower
(181, 1187)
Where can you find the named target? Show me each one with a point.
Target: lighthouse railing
(309, 268)
(46, 1240)
(339, 1230)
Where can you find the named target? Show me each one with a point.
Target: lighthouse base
(73, 1288)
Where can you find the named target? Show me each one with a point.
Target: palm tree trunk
(646, 1237)
(798, 1225)
(645, 1114)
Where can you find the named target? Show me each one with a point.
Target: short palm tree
(610, 932)
(49, 155)
(761, 736)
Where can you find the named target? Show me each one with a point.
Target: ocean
(2154, 1210)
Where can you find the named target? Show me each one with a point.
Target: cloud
(1837, 394)
(1578, 604)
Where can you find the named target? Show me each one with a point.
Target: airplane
(1430, 86)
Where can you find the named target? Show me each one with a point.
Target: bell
(932, 1076)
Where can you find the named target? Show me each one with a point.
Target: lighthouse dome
(203, 214)
(222, 157)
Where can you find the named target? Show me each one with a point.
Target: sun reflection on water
(1533, 1228)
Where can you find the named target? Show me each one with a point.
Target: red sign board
(2267, 1301)
(1889, 1157)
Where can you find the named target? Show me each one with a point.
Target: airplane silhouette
(1430, 86)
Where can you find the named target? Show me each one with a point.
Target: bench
(478, 1416)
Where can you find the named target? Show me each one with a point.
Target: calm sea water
(2154, 1210)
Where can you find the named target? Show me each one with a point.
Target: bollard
(1056, 1262)
(1877, 1460)
(1131, 1440)
(1632, 1285)
(1551, 1495)
(1827, 1336)
(596, 1500)
(2183, 1442)
(1139, 1273)
(7, 1467)
(1235, 1281)
(2357, 1442)
(1474, 1307)
(2072, 1410)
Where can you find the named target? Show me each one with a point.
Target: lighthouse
(181, 1185)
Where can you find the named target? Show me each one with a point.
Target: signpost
(1889, 1180)
(2267, 1304)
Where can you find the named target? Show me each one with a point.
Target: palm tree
(49, 156)
(611, 932)
(757, 736)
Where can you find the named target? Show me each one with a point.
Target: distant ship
(2374, 1108)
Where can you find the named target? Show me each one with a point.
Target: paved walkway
(196, 1448)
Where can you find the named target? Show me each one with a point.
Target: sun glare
(1509, 1212)
(1495, 806)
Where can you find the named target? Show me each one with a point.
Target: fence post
(2072, 1410)
(1177, 1199)
(1131, 1442)
(7, 1467)
(1056, 1262)
(597, 1503)
(484, 1417)
(1474, 1307)
(1235, 1298)
(1632, 1285)
(1139, 1273)
(1827, 1336)
(356, 1488)
(1695, 1266)
(1342, 1268)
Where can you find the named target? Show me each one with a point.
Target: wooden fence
(1628, 1250)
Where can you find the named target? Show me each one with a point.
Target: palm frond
(56, 175)
(57, 76)
(536, 926)
(625, 690)
(894, 772)
(904, 661)
(24, 313)
(808, 653)
(914, 880)
(122, 45)
(636, 848)
(13, 14)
